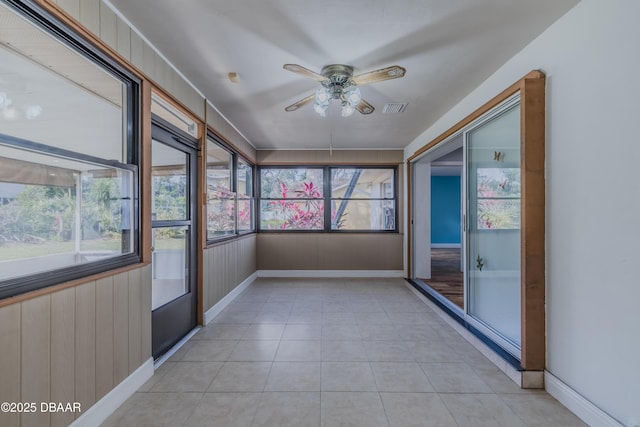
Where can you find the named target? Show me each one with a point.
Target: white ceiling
(447, 47)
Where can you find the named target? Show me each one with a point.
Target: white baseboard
(175, 348)
(331, 273)
(445, 245)
(210, 314)
(100, 411)
(576, 403)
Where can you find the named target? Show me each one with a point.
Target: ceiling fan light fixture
(338, 82)
(321, 109)
(323, 96)
(347, 109)
(353, 96)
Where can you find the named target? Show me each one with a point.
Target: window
(221, 199)
(68, 158)
(363, 199)
(229, 211)
(246, 199)
(355, 199)
(291, 199)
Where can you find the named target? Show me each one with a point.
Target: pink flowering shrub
(306, 213)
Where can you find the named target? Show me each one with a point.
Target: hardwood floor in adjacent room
(446, 277)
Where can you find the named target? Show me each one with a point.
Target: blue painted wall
(445, 209)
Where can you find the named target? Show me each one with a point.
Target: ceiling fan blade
(299, 69)
(301, 103)
(364, 107)
(388, 73)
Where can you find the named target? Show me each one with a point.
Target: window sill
(70, 284)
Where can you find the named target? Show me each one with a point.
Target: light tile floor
(333, 353)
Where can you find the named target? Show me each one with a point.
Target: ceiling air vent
(395, 107)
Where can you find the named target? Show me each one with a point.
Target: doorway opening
(440, 265)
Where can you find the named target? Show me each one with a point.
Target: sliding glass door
(493, 188)
(503, 222)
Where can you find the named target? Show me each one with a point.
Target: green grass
(12, 251)
(169, 243)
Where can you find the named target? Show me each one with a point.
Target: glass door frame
(173, 320)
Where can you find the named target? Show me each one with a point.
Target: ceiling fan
(338, 82)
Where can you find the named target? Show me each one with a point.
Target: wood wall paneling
(235, 255)
(137, 50)
(247, 257)
(72, 7)
(172, 78)
(205, 279)
(285, 251)
(230, 268)
(90, 15)
(85, 345)
(390, 156)
(226, 265)
(145, 313)
(63, 318)
(123, 44)
(120, 327)
(329, 251)
(221, 272)
(324, 157)
(104, 337)
(194, 101)
(148, 60)
(108, 26)
(135, 317)
(10, 358)
(161, 71)
(213, 276)
(35, 357)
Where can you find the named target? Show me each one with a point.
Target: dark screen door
(173, 293)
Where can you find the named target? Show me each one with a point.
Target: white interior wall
(422, 219)
(593, 196)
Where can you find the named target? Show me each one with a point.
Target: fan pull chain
(331, 145)
(331, 133)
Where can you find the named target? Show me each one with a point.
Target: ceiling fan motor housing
(338, 79)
